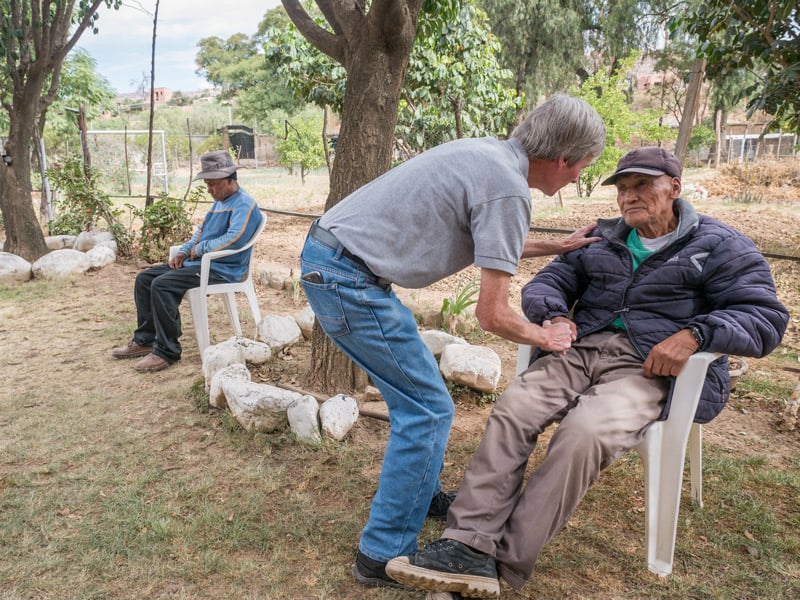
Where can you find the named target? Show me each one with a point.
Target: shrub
(165, 222)
(83, 206)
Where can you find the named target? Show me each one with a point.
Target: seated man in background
(664, 283)
(230, 223)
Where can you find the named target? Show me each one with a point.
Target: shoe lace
(440, 545)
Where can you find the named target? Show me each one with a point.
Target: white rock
(477, 367)
(276, 281)
(112, 244)
(219, 356)
(87, 240)
(237, 371)
(279, 331)
(14, 269)
(436, 340)
(258, 407)
(61, 264)
(338, 415)
(254, 352)
(303, 416)
(59, 242)
(101, 256)
(305, 321)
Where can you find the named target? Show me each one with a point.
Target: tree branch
(82, 26)
(331, 44)
(751, 20)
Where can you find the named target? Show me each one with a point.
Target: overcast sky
(123, 45)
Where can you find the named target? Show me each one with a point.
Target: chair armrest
(173, 250)
(524, 353)
(689, 385)
(205, 260)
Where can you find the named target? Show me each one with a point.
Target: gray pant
(604, 403)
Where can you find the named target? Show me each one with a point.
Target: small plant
(747, 196)
(454, 310)
(297, 290)
(165, 223)
(198, 396)
(83, 205)
(467, 394)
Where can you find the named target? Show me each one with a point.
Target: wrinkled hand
(577, 239)
(176, 262)
(669, 356)
(558, 336)
(572, 327)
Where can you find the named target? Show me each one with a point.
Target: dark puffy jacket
(711, 276)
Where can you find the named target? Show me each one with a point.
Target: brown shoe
(150, 363)
(132, 350)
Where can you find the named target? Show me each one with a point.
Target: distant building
(161, 95)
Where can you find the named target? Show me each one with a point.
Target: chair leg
(696, 462)
(229, 299)
(199, 307)
(663, 476)
(663, 495)
(252, 300)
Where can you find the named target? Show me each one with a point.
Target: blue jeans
(369, 324)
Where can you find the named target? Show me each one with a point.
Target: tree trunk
(369, 116)
(331, 371)
(36, 39)
(690, 108)
(46, 213)
(24, 236)
(375, 63)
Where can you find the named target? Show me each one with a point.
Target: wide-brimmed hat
(650, 161)
(216, 165)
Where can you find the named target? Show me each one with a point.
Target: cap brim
(218, 174)
(643, 170)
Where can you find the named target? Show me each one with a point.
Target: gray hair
(562, 126)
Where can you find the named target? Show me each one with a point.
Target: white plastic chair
(663, 452)
(198, 297)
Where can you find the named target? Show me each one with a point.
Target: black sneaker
(448, 566)
(439, 505)
(372, 573)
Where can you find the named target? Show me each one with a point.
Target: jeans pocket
(327, 306)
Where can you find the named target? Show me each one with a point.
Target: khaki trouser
(604, 403)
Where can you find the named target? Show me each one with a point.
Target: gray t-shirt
(460, 203)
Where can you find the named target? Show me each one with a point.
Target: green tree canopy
(550, 45)
(760, 36)
(608, 95)
(80, 84)
(455, 87)
(238, 66)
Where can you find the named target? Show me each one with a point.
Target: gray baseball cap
(650, 161)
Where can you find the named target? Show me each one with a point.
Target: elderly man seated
(663, 283)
